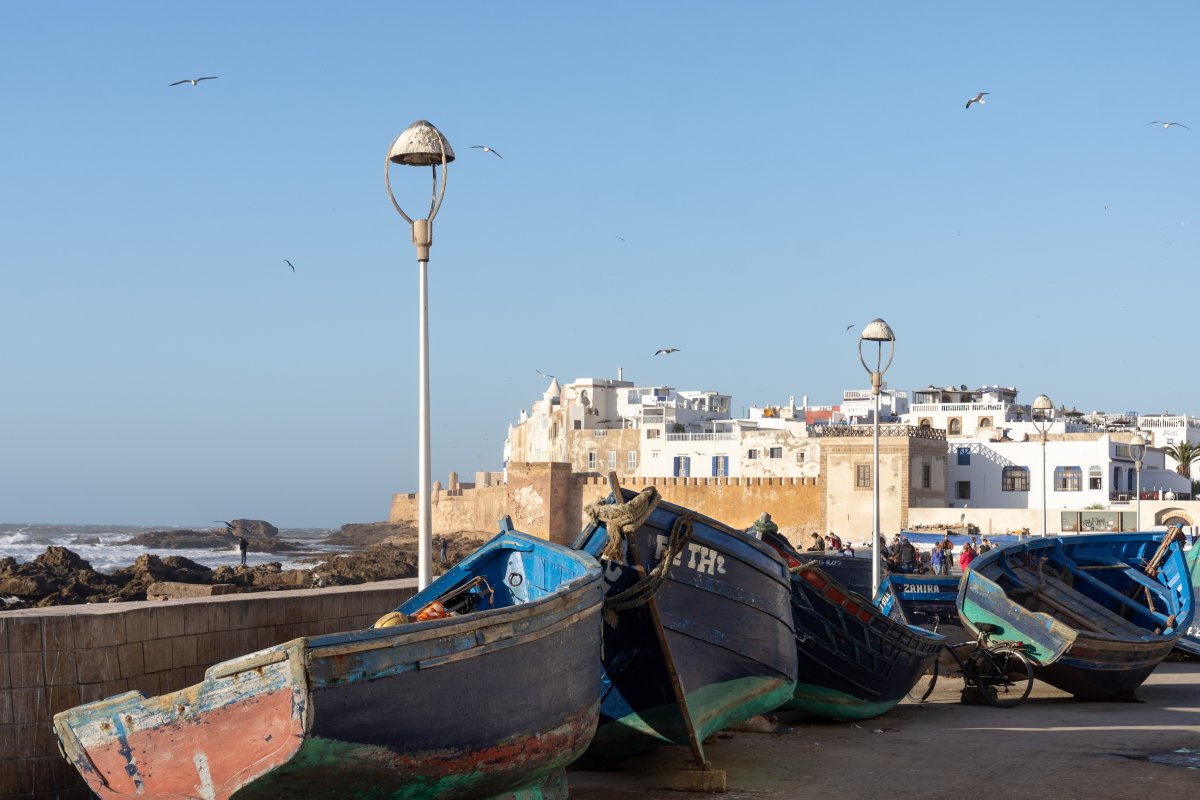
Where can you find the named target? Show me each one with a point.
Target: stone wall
(793, 503)
(54, 658)
(469, 509)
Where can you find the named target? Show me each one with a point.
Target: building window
(985, 422)
(925, 422)
(592, 460)
(1095, 478)
(612, 459)
(954, 426)
(631, 460)
(1014, 479)
(577, 424)
(653, 433)
(964, 456)
(962, 490)
(926, 476)
(1068, 479)
(683, 467)
(776, 452)
(799, 456)
(752, 453)
(862, 476)
(720, 466)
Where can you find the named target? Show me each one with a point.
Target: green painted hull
(342, 771)
(832, 704)
(712, 707)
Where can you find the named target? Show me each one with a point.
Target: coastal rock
(255, 528)
(364, 534)
(213, 539)
(381, 562)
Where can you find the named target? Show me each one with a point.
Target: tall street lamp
(879, 332)
(1041, 414)
(1137, 450)
(422, 145)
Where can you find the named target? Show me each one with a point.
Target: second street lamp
(1137, 451)
(422, 145)
(878, 332)
(1040, 413)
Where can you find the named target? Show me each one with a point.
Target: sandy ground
(1051, 746)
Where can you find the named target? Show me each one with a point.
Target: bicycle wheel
(1003, 675)
(921, 690)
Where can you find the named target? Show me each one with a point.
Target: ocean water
(103, 545)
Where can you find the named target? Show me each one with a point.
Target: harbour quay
(1051, 745)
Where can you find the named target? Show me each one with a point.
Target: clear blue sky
(777, 172)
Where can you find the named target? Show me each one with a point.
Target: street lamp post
(422, 145)
(1040, 413)
(879, 332)
(1137, 449)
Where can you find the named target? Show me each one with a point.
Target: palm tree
(1185, 453)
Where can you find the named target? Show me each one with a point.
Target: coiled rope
(622, 521)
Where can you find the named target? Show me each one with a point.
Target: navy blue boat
(698, 629)
(1097, 613)
(925, 601)
(485, 687)
(854, 662)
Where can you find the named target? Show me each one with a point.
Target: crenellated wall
(54, 658)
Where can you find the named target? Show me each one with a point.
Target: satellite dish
(962, 387)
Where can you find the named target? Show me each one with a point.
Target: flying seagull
(223, 522)
(666, 351)
(194, 81)
(289, 264)
(1167, 124)
(486, 149)
(977, 99)
(544, 375)
(851, 325)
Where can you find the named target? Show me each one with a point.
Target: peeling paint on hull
(490, 704)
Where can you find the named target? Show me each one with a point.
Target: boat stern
(247, 717)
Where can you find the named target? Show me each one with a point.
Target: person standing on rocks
(243, 546)
(443, 546)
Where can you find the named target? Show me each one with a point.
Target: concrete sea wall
(54, 658)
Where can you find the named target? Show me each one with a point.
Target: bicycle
(1001, 674)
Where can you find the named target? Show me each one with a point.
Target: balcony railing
(701, 437)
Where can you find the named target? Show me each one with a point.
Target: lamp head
(1041, 403)
(1137, 448)
(877, 331)
(421, 145)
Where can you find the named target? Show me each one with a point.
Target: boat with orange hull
(489, 695)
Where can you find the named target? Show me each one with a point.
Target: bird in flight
(666, 351)
(1168, 124)
(194, 81)
(851, 325)
(486, 149)
(223, 522)
(977, 99)
(544, 375)
(289, 264)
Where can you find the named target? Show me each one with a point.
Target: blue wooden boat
(925, 601)
(492, 695)
(1097, 613)
(854, 662)
(698, 630)
(1190, 641)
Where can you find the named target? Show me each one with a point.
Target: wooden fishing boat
(926, 601)
(1096, 613)
(491, 692)
(1190, 641)
(698, 631)
(854, 662)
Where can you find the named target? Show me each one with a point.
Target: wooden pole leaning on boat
(703, 777)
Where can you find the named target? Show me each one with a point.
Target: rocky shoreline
(381, 551)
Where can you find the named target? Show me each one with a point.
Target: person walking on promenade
(935, 559)
(947, 554)
(907, 554)
(966, 556)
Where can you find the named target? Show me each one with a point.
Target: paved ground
(1051, 746)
